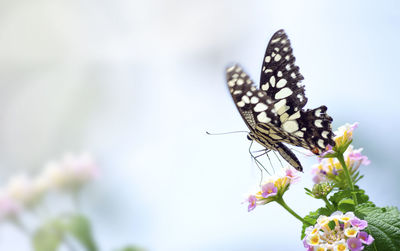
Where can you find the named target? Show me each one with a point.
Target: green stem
(281, 202)
(347, 173)
(328, 204)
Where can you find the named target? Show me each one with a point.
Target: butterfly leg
(258, 163)
(265, 151)
(276, 155)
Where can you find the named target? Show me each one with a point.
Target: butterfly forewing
(252, 103)
(280, 77)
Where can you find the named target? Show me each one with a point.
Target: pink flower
(269, 189)
(356, 222)
(8, 207)
(355, 244)
(365, 238)
(292, 174)
(252, 202)
(358, 157)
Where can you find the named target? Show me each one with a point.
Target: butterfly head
(250, 136)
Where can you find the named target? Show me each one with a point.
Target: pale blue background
(137, 83)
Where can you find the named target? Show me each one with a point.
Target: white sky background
(138, 83)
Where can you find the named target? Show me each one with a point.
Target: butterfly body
(274, 112)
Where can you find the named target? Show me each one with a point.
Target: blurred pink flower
(81, 168)
(72, 171)
(8, 207)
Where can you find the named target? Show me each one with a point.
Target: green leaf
(346, 205)
(48, 237)
(79, 227)
(331, 225)
(383, 225)
(337, 197)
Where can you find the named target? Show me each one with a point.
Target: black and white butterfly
(274, 111)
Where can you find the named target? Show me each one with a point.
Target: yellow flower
(313, 240)
(344, 136)
(351, 232)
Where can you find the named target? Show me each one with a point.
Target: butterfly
(274, 112)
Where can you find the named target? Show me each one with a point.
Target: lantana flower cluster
(273, 188)
(337, 232)
(329, 168)
(23, 191)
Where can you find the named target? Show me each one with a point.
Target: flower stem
(347, 173)
(281, 202)
(328, 204)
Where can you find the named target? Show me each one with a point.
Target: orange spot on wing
(315, 150)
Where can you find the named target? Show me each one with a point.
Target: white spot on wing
(265, 86)
(277, 57)
(295, 115)
(249, 93)
(325, 134)
(300, 97)
(293, 75)
(321, 143)
(267, 59)
(262, 117)
(285, 92)
(318, 113)
(240, 103)
(246, 99)
(275, 40)
(281, 83)
(281, 107)
(254, 100)
(272, 81)
(237, 92)
(280, 74)
(260, 107)
(318, 123)
(284, 117)
(290, 126)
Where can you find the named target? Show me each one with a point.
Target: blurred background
(137, 84)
